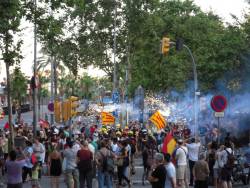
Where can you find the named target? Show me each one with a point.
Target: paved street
(136, 179)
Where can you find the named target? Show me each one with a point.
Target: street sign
(219, 114)
(51, 107)
(219, 103)
(115, 97)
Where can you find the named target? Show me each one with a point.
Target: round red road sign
(51, 106)
(219, 103)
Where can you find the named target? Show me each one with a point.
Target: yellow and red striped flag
(158, 120)
(169, 144)
(107, 118)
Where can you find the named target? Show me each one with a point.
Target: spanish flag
(107, 118)
(169, 144)
(158, 120)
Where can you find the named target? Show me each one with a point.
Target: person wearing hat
(181, 164)
(158, 176)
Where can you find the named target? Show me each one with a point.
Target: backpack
(33, 159)
(108, 164)
(230, 160)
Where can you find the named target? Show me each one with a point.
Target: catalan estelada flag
(158, 120)
(107, 118)
(169, 144)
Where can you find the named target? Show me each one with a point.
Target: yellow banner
(107, 118)
(158, 120)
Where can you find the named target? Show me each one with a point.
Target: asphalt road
(136, 179)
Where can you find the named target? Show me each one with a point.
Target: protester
(35, 175)
(158, 175)
(71, 171)
(181, 164)
(55, 166)
(193, 154)
(226, 170)
(123, 163)
(39, 151)
(14, 168)
(104, 173)
(201, 172)
(85, 162)
(170, 172)
(27, 169)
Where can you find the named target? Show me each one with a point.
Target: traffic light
(73, 105)
(66, 111)
(165, 46)
(57, 111)
(179, 44)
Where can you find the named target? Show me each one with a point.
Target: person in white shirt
(226, 173)
(170, 181)
(181, 162)
(216, 165)
(193, 155)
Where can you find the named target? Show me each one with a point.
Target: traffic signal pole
(196, 92)
(35, 90)
(114, 52)
(166, 44)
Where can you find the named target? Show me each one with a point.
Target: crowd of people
(107, 153)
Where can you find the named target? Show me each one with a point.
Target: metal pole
(114, 53)
(52, 89)
(218, 131)
(35, 74)
(195, 91)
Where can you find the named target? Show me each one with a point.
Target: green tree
(10, 17)
(19, 88)
(86, 85)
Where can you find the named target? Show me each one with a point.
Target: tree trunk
(9, 104)
(55, 76)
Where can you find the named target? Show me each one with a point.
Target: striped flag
(158, 120)
(169, 144)
(107, 118)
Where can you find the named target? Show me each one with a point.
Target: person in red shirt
(85, 160)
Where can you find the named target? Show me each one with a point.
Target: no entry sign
(51, 107)
(219, 103)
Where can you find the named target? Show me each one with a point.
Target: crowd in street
(107, 154)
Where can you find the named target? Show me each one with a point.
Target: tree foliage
(19, 85)
(81, 33)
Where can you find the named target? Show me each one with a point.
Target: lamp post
(179, 45)
(196, 93)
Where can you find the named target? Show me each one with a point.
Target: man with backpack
(226, 163)
(181, 155)
(105, 165)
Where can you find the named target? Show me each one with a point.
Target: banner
(107, 118)
(158, 120)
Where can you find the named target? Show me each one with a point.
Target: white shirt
(193, 151)
(181, 156)
(171, 173)
(222, 160)
(91, 148)
(114, 148)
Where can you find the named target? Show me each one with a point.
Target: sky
(221, 7)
